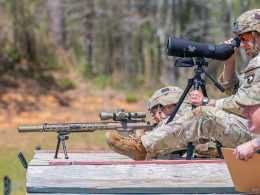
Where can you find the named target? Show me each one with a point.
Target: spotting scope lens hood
(184, 48)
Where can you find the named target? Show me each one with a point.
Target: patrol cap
(247, 22)
(165, 96)
(253, 97)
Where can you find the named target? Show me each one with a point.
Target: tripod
(197, 82)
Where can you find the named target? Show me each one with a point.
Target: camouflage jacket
(238, 85)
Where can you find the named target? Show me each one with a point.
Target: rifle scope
(117, 116)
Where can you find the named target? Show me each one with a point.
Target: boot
(131, 147)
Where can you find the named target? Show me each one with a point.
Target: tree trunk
(56, 21)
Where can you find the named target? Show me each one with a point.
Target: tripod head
(189, 62)
(200, 62)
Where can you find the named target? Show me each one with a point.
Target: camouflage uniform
(194, 126)
(251, 98)
(222, 122)
(238, 86)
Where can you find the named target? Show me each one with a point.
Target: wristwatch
(205, 101)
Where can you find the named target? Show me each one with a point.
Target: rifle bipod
(61, 138)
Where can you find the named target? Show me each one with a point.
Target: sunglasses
(246, 36)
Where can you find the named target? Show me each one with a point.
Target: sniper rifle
(121, 121)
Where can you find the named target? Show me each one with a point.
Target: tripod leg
(177, 106)
(190, 149)
(203, 88)
(219, 145)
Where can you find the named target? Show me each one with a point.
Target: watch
(205, 101)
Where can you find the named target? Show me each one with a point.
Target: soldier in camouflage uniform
(169, 97)
(220, 119)
(251, 105)
(247, 28)
(160, 105)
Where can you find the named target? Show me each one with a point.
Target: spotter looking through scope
(185, 48)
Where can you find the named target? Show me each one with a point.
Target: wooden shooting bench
(105, 172)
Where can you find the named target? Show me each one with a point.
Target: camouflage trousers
(202, 123)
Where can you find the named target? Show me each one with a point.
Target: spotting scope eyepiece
(185, 48)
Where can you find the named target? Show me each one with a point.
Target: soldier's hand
(246, 150)
(195, 98)
(231, 59)
(139, 133)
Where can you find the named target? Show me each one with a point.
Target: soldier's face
(161, 112)
(252, 113)
(247, 42)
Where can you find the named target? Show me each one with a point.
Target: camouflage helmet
(247, 22)
(164, 96)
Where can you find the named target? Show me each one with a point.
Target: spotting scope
(184, 48)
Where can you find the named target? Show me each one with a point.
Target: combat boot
(128, 146)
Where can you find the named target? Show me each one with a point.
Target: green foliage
(51, 63)
(102, 81)
(46, 80)
(14, 57)
(147, 30)
(86, 70)
(49, 81)
(65, 83)
(138, 82)
(131, 97)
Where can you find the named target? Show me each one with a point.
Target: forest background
(68, 60)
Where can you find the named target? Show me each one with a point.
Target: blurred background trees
(111, 42)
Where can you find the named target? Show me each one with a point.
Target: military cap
(165, 96)
(252, 98)
(247, 22)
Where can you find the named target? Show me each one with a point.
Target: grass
(10, 166)
(130, 97)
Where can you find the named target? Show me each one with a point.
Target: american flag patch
(165, 90)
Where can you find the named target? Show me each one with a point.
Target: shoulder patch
(257, 16)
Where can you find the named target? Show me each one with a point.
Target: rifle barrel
(30, 128)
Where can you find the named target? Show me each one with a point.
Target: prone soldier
(160, 105)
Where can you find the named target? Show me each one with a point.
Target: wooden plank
(112, 173)
(78, 191)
